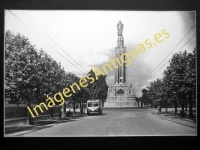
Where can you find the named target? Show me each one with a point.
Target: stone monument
(120, 94)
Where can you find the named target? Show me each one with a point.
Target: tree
(178, 86)
(144, 96)
(97, 89)
(102, 88)
(190, 79)
(156, 93)
(181, 75)
(30, 75)
(20, 67)
(72, 78)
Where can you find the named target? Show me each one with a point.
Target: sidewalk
(38, 124)
(177, 119)
(14, 121)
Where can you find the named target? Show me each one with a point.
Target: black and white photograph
(100, 73)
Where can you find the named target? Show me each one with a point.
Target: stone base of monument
(121, 101)
(120, 104)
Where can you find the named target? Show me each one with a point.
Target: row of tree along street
(178, 85)
(30, 75)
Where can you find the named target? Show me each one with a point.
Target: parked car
(147, 106)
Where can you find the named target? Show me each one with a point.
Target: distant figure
(159, 109)
(138, 106)
(69, 113)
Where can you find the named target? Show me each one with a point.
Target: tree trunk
(175, 106)
(29, 121)
(166, 105)
(74, 108)
(81, 109)
(159, 106)
(60, 113)
(64, 111)
(190, 105)
(51, 113)
(186, 106)
(183, 106)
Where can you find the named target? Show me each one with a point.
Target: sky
(90, 38)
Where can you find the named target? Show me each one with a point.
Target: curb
(185, 119)
(23, 119)
(165, 118)
(16, 129)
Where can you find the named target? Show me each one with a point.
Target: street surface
(116, 122)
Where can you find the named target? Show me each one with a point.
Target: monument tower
(120, 94)
(120, 73)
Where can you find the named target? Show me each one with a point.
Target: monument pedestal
(120, 96)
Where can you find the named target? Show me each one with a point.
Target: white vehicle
(147, 106)
(94, 107)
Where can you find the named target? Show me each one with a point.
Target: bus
(94, 107)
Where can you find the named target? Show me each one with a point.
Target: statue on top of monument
(120, 28)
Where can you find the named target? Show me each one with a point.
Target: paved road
(116, 122)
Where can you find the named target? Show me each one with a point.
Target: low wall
(20, 110)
